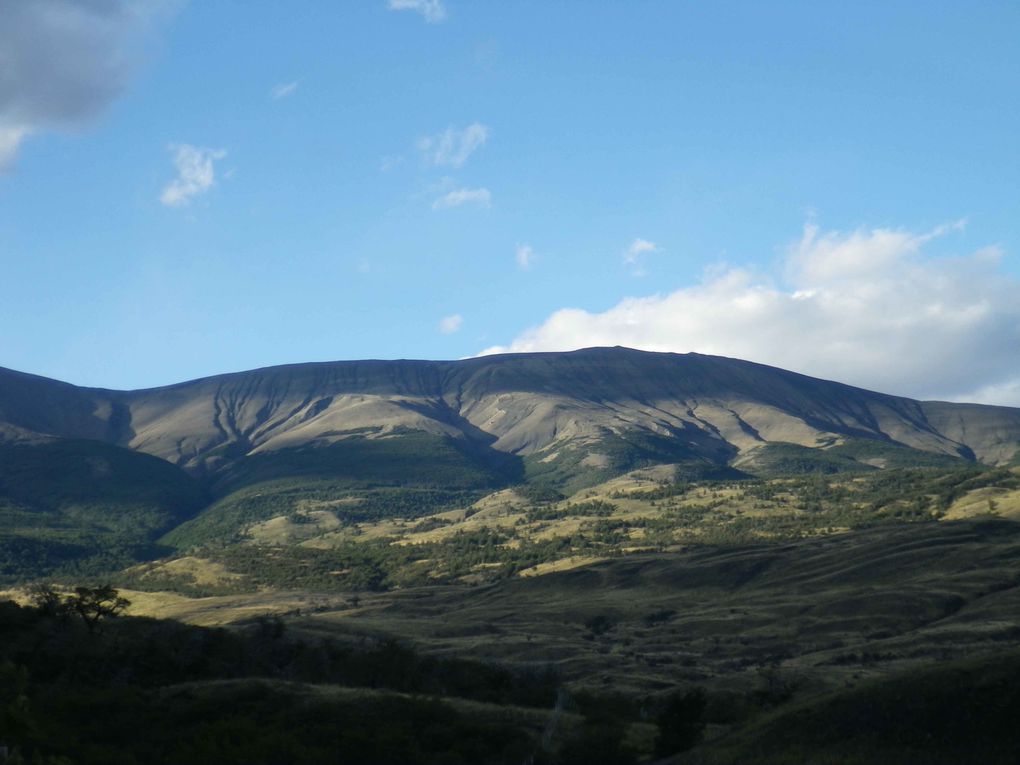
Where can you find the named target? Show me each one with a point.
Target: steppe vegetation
(343, 539)
(449, 607)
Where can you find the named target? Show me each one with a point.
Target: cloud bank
(867, 307)
(63, 61)
(195, 174)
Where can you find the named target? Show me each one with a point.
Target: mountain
(491, 509)
(561, 416)
(98, 476)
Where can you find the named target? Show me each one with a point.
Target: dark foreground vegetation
(957, 713)
(78, 685)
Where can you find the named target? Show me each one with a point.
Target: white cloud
(452, 147)
(637, 248)
(1006, 393)
(458, 197)
(867, 307)
(431, 10)
(63, 61)
(11, 137)
(450, 324)
(195, 173)
(390, 162)
(633, 256)
(835, 256)
(283, 90)
(525, 256)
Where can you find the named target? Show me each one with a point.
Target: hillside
(559, 416)
(311, 453)
(86, 506)
(85, 470)
(623, 528)
(884, 645)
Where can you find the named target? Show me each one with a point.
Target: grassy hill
(406, 474)
(849, 456)
(337, 536)
(825, 649)
(814, 615)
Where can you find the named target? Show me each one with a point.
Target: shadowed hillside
(572, 418)
(825, 613)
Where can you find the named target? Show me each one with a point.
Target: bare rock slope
(542, 407)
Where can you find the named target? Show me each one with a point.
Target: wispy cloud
(195, 173)
(450, 324)
(11, 137)
(390, 162)
(431, 10)
(283, 90)
(64, 61)
(457, 197)
(525, 256)
(452, 147)
(633, 256)
(868, 307)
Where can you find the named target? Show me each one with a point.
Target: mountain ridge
(533, 405)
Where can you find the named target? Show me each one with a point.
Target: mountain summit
(566, 417)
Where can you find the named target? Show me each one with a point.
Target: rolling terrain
(346, 443)
(891, 644)
(554, 548)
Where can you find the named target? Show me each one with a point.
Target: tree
(94, 604)
(48, 601)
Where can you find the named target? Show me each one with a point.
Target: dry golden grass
(563, 564)
(287, 530)
(717, 504)
(222, 610)
(199, 571)
(987, 501)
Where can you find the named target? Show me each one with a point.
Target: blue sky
(195, 188)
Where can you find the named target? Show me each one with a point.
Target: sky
(191, 188)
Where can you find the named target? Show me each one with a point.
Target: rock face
(536, 406)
